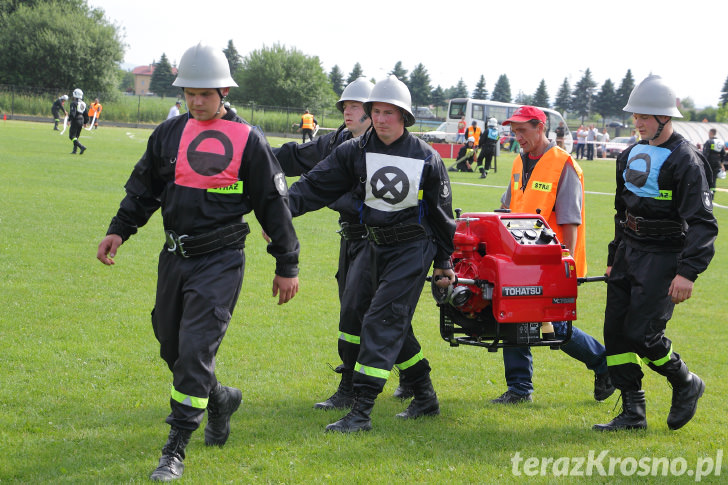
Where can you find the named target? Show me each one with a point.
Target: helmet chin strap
(660, 127)
(222, 102)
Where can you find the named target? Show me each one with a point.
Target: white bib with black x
(393, 183)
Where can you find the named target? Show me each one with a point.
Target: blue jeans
(518, 362)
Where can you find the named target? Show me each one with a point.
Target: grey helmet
(653, 97)
(203, 66)
(64, 97)
(77, 93)
(357, 90)
(392, 91)
(492, 122)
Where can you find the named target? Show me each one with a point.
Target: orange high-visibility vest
(540, 193)
(94, 108)
(475, 133)
(307, 122)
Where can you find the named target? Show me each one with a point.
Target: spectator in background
(56, 110)
(605, 139)
(560, 134)
(461, 130)
(591, 138)
(308, 123)
(174, 110)
(714, 153)
(94, 112)
(580, 142)
(633, 137)
(474, 131)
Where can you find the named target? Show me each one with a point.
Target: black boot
(686, 390)
(633, 415)
(603, 387)
(83, 149)
(224, 401)
(343, 398)
(75, 146)
(55, 127)
(171, 464)
(425, 402)
(358, 418)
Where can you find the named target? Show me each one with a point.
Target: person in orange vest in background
(308, 123)
(474, 131)
(461, 130)
(545, 177)
(94, 112)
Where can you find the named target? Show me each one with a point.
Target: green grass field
(84, 393)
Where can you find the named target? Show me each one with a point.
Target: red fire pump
(513, 278)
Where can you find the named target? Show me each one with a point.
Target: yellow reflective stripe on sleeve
(626, 358)
(352, 339)
(658, 362)
(420, 194)
(234, 188)
(192, 401)
(372, 371)
(410, 362)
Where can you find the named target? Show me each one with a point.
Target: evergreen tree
(582, 98)
(162, 78)
(502, 90)
(522, 98)
(437, 97)
(606, 102)
(235, 61)
(541, 96)
(355, 73)
(420, 86)
(724, 94)
(480, 91)
(460, 91)
(563, 98)
(623, 92)
(400, 72)
(336, 78)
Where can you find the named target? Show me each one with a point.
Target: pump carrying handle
(589, 279)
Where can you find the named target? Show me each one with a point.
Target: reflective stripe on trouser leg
(187, 400)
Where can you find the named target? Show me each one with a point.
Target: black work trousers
(638, 308)
(195, 301)
(486, 153)
(398, 274)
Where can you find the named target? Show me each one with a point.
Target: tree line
(76, 37)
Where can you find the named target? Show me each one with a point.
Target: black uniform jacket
(345, 171)
(685, 198)
(193, 211)
(299, 158)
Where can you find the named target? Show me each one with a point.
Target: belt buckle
(175, 244)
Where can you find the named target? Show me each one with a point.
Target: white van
(480, 110)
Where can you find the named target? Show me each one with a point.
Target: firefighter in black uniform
(297, 159)
(206, 171)
(405, 203)
(77, 118)
(488, 142)
(664, 235)
(714, 152)
(56, 109)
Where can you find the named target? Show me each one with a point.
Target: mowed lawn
(84, 394)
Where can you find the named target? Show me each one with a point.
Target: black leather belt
(652, 227)
(189, 246)
(352, 232)
(396, 234)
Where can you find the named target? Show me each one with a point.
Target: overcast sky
(684, 41)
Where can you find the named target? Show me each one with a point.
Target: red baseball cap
(526, 113)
